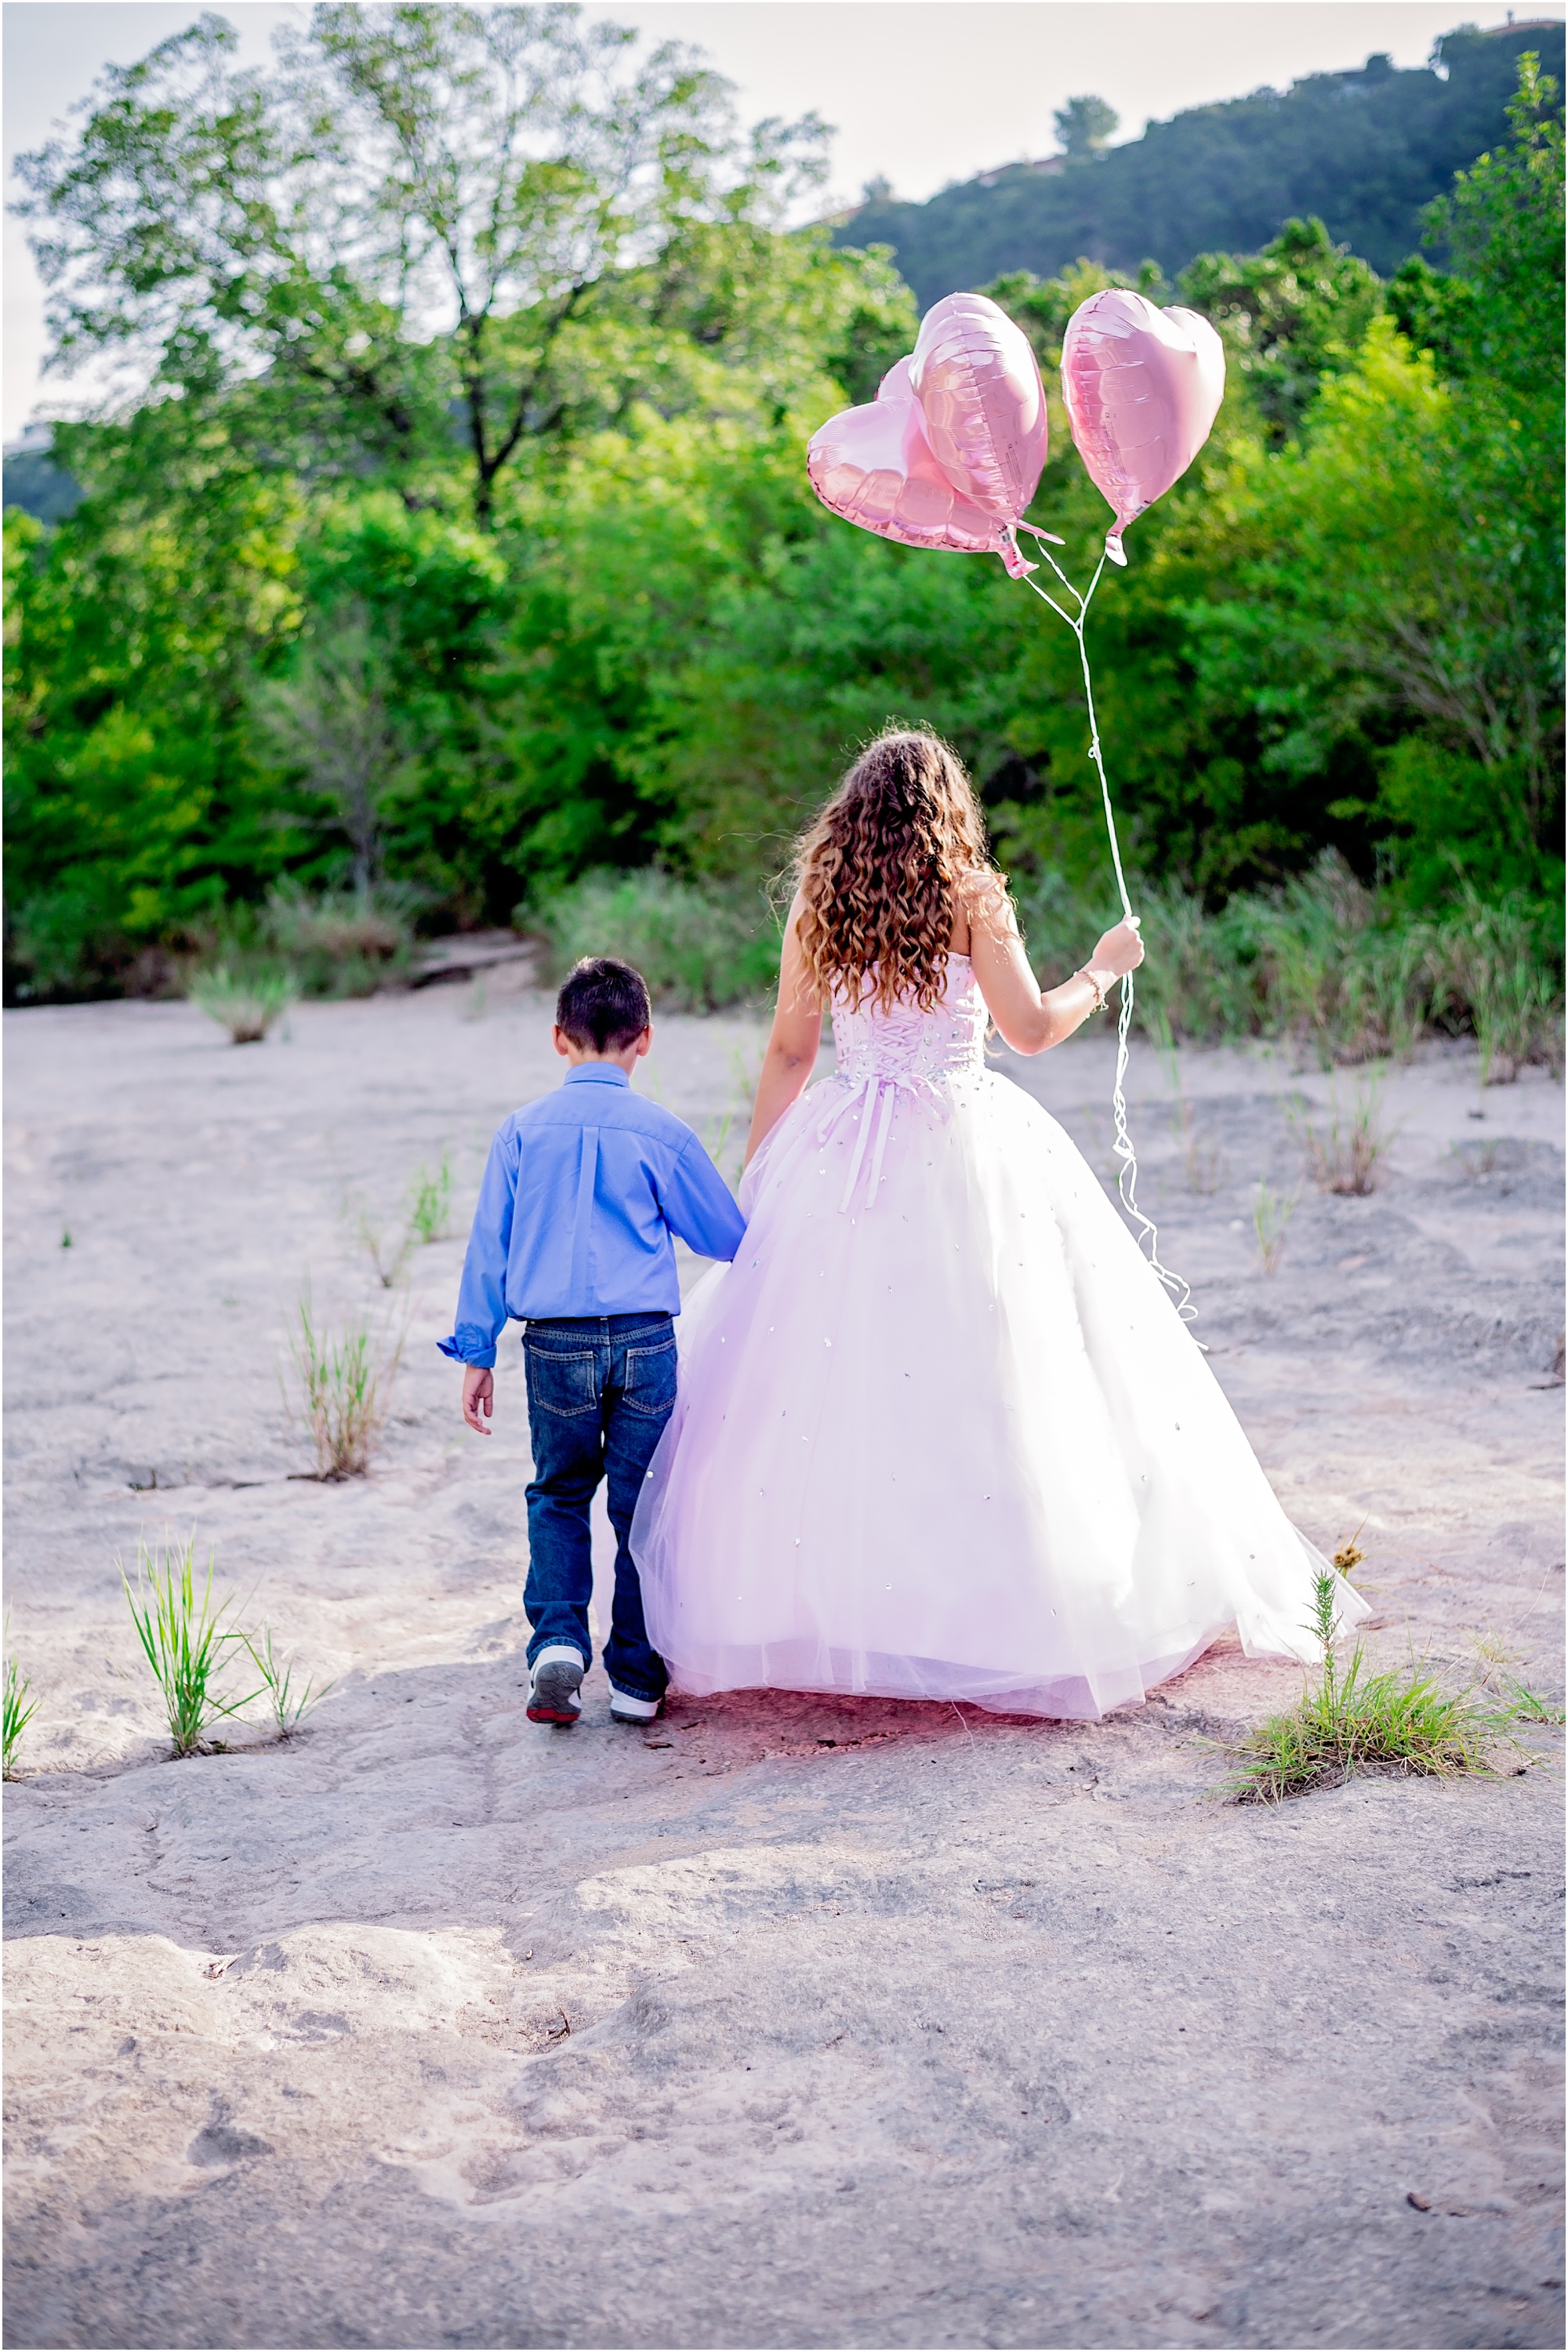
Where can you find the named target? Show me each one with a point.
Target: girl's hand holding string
(1119, 951)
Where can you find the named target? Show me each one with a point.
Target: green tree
(1289, 315)
(1503, 227)
(1084, 126)
(1398, 576)
(495, 215)
(134, 811)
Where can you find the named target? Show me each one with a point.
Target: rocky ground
(789, 2022)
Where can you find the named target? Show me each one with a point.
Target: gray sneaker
(554, 1685)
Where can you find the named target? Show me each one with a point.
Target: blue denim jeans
(600, 1389)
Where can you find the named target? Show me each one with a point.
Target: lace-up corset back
(911, 1045)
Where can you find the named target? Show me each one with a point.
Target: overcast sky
(925, 91)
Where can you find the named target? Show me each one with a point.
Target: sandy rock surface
(790, 2021)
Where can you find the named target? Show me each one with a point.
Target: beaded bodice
(912, 1045)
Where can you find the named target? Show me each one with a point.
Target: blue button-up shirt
(582, 1192)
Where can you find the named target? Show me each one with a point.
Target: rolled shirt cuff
(469, 1346)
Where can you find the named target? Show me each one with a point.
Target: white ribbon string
(1121, 1140)
(878, 1092)
(866, 1089)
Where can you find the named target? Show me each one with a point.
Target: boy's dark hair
(603, 1004)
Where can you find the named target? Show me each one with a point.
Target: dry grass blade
(19, 1709)
(344, 1375)
(183, 1636)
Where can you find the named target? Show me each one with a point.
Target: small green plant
(388, 1256)
(1271, 1215)
(288, 1702)
(430, 1202)
(1348, 1152)
(184, 1638)
(1477, 1161)
(245, 1004)
(1351, 1719)
(19, 1708)
(65, 1242)
(343, 1377)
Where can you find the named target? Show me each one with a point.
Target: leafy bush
(699, 945)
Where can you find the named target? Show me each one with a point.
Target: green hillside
(1363, 151)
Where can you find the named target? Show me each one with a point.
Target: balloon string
(1121, 1139)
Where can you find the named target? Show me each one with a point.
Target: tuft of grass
(343, 1377)
(1348, 1153)
(1477, 1161)
(1205, 1163)
(1271, 1215)
(430, 1202)
(245, 1004)
(1489, 964)
(1353, 1719)
(699, 945)
(19, 1708)
(183, 1636)
(289, 1702)
(389, 1256)
(430, 1209)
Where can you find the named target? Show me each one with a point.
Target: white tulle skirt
(954, 1445)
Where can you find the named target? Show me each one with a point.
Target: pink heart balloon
(948, 458)
(1142, 389)
(978, 384)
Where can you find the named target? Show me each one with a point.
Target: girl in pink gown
(940, 1432)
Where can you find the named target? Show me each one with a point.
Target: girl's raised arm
(1029, 1018)
(796, 1035)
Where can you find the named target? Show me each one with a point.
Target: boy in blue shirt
(582, 1192)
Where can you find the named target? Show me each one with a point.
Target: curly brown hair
(881, 871)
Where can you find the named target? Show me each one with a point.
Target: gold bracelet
(1083, 973)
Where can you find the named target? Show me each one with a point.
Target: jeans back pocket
(650, 1378)
(562, 1382)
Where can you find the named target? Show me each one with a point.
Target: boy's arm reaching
(481, 1295)
(699, 1207)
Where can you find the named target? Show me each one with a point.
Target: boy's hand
(479, 1397)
